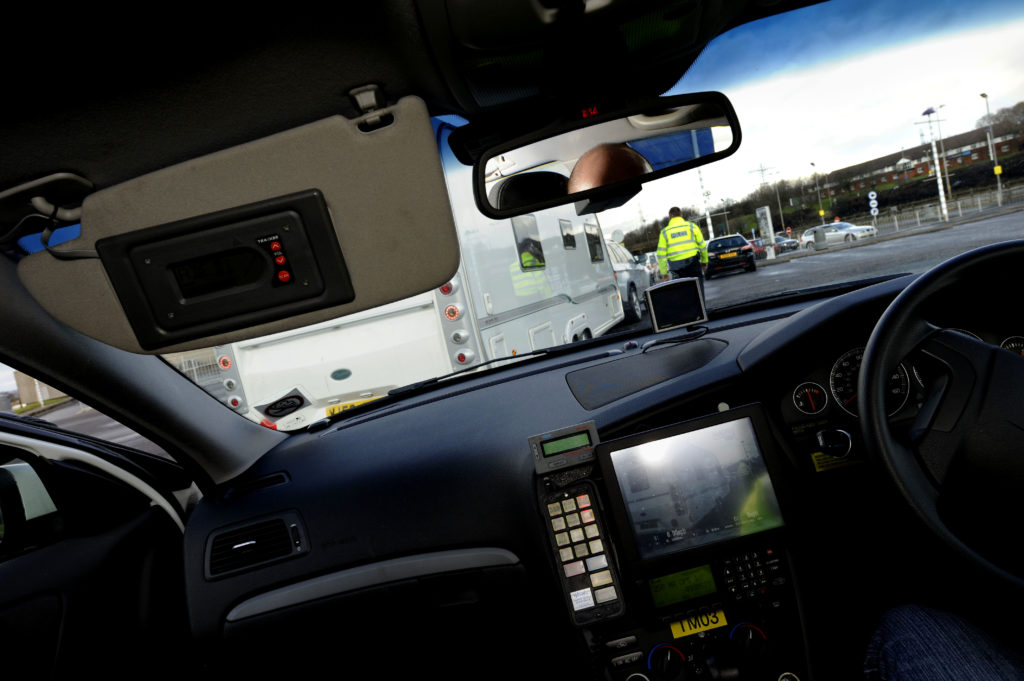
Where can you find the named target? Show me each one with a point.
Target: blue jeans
(913, 643)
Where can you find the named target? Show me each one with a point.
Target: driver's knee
(914, 643)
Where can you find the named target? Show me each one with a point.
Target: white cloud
(842, 113)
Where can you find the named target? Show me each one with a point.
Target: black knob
(668, 663)
(835, 443)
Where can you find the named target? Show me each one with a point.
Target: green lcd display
(566, 444)
(682, 586)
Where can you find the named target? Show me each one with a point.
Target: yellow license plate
(338, 408)
(728, 255)
(697, 623)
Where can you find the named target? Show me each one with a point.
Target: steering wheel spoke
(963, 468)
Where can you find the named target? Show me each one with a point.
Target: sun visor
(307, 225)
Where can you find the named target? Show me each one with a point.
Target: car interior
(686, 503)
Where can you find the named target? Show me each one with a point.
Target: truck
(548, 283)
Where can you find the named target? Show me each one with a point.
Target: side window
(568, 236)
(594, 241)
(28, 516)
(23, 396)
(527, 235)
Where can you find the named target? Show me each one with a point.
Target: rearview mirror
(599, 159)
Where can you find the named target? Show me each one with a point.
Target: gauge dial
(810, 398)
(1014, 344)
(843, 382)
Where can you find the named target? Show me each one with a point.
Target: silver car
(632, 277)
(855, 232)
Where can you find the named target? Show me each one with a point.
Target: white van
(549, 281)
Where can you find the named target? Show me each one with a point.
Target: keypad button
(601, 578)
(587, 516)
(581, 550)
(596, 563)
(596, 546)
(576, 535)
(583, 501)
(558, 524)
(605, 595)
(554, 509)
(573, 569)
(562, 538)
(569, 505)
(566, 554)
(573, 520)
(591, 531)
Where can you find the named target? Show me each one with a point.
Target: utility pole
(778, 199)
(945, 163)
(704, 195)
(821, 210)
(938, 168)
(992, 151)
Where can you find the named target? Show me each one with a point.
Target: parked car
(633, 278)
(760, 249)
(784, 244)
(729, 252)
(853, 232)
(833, 236)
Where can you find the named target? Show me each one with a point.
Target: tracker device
(676, 304)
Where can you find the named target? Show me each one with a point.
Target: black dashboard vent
(244, 547)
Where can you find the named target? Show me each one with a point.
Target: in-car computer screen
(696, 488)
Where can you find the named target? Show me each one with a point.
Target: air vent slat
(252, 545)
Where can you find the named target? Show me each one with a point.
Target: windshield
(905, 117)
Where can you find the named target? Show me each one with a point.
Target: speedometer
(843, 382)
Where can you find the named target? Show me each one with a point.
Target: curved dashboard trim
(374, 574)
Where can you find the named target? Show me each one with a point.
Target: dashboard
(624, 512)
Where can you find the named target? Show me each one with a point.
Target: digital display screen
(696, 488)
(674, 304)
(682, 586)
(568, 443)
(218, 271)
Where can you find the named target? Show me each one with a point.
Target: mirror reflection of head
(605, 164)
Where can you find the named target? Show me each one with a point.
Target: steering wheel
(961, 467)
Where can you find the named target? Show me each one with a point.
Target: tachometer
(843, 382)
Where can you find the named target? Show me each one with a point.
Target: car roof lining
(122, 103)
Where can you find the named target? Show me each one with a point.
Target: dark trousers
(691, 267)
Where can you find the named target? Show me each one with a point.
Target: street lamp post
(938, 167)
(821, 210)
(992, 151)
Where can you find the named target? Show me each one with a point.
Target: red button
(279, 260)
(275, 245)
(283, 276)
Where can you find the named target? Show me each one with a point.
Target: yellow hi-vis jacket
(680, 240)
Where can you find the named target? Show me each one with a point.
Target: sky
(841, 83)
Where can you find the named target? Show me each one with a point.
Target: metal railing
(924, 214)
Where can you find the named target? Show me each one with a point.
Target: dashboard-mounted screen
(693, 485)
(676, 304)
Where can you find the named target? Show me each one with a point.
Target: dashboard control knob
(667, 663)
(835, 443)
